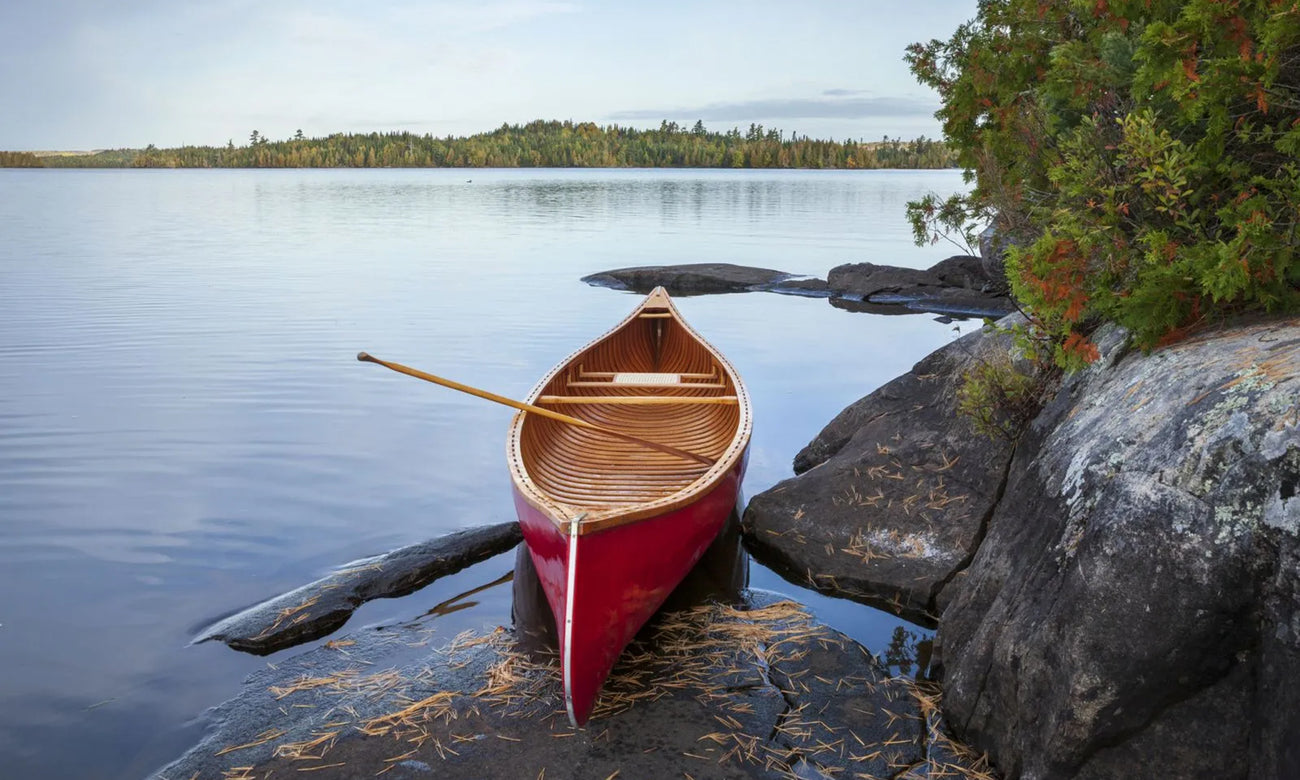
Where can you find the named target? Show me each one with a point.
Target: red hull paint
(623, 575)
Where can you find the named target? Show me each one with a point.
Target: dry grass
(260, 739)
(413, 715)
(313, 749)
(970, 765)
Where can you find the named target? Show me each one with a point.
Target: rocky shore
(724, 683)
(894, 495)
(1116, 591)
(756, 690)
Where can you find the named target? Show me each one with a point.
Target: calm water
(184, 430)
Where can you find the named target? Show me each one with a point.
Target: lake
(185, 431)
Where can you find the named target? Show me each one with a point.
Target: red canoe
(614, 525)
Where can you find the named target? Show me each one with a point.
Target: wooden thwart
(585, 374)
(635, 400)
(706, 386)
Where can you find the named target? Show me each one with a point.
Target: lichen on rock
(1137, 562)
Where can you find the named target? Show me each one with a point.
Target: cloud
(843, 92)
(792, 108)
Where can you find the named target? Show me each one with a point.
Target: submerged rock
(1134, 610)
(954, 301)
(698, 279)
(753, 690)
(892, 495)
(321, 607)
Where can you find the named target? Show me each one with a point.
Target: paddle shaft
(523, 407)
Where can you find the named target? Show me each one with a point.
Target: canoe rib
(564, 470)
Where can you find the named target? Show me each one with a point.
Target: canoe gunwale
(600, 518)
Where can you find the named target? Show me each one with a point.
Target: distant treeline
(537, 144)
(20, 160)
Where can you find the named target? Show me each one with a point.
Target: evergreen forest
(539, 144)
(1139, 158)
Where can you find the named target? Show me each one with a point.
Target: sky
(86, 74)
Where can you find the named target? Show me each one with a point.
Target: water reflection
(463, 601)
(183, 429)
(909, 652)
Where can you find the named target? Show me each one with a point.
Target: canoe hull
(602, 587)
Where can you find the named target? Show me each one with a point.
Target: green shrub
(999, 397)
(1142, 158)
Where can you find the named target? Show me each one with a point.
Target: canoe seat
(642, 379)
(636, 383)
(634, 378)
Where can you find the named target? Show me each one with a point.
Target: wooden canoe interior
(652, 378)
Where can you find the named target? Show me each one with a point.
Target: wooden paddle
(523, 407)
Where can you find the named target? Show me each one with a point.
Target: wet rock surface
(1134, 608)
(862, 280)
(963, 271)
(957, 285)
(892, 495)
(321, 607)
(756, 689)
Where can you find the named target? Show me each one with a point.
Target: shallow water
(184, 430)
